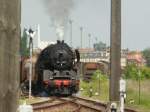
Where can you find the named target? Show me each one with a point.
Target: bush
(146, 72)
(132, 72)
(98, 74)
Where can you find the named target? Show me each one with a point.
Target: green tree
(130, 71)
(98, 75)
(145, 72)
(24, 50)
(133, 72)
(146, 54)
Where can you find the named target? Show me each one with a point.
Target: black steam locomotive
(57, 70)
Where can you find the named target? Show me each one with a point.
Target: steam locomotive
(57, 71)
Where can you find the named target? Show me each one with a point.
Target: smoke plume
(59, 11)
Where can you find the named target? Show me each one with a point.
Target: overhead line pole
(89, 40)
(115, 57)
(81, 30)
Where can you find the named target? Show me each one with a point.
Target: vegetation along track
(71, 104)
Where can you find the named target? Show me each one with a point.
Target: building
(104, 54)
(136, 58)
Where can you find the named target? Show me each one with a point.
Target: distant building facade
(136, 58)
(104, 54)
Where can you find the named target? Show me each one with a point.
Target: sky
(94, 17)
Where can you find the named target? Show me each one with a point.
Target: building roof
(85, 50)
(137, 56)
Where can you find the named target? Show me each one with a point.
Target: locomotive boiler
(57, 70)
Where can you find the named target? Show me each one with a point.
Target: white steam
(60, 32)
(59, 11)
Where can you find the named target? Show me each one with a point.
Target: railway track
(95, 105)
(71, 104)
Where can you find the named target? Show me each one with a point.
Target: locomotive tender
(57, 71)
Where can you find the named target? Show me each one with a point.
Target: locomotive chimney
(60, 41)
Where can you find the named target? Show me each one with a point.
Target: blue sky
(94, 17)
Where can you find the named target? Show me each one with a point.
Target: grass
(143, 105)
(132, 93)
(98, 86)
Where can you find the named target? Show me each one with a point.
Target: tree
(131, 71)
(99, 46)
(24, 50)
(10, 19)
(99, 75)
(146, 72)
(146, 54)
